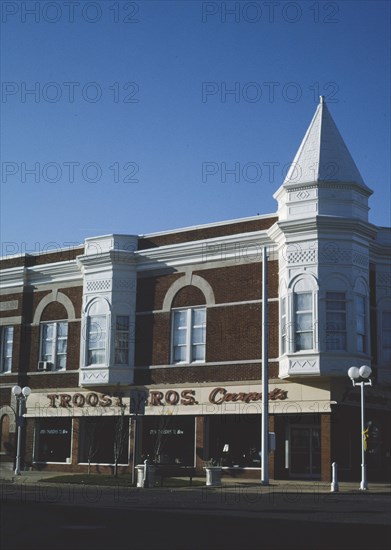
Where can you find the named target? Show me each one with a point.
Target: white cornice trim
(331, 223)
(55, 273)
(13, 277)
(244, 247)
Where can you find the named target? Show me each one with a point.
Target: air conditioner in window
(44, 365)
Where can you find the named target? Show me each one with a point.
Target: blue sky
(132, 125)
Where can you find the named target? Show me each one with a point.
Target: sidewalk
(285, 486)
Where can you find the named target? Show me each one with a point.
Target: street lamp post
(21, 396)
(356, 374)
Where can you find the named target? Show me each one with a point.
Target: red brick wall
(152, 290)
(233, 332)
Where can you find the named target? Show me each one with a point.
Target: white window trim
(188, 345)
(284, 323)
(55, 342)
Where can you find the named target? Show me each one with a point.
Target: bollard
(334, 478)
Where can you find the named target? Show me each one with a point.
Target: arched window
(189, 335)
(97, 329)
(384, 317)
(302, 313)
(188, 328)
(54, 340)
(52, 314)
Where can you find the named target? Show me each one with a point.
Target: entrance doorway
(304, 446)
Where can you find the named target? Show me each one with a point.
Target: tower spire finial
(321, 98)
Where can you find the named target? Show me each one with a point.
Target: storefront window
(235, 440)
(53, 440)
(169, 439)
(100, 438)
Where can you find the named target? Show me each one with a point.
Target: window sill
(187, 364)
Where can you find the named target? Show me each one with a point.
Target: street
(63, 517)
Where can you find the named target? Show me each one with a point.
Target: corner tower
(323, 238)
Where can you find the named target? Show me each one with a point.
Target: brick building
(150, 345)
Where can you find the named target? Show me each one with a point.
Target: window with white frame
(7, 340)
(54, 339)
(96, 340)
(336, 321)
(283, 326)
(386, 337)
(122, 340)
(304, 326)
(361, 323)
(188, 335)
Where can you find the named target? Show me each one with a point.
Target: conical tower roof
(323, 155)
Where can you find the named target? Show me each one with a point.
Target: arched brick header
(189, 280)
(9, 411)
(54, 296)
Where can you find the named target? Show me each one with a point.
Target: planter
(213, 476)
(145, 479)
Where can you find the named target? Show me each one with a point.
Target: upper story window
(361, 323)
(336, 321)
(386, 337)
(283, 325)
(54, 339)
(96, 339)
(122, 340)
(189, 335)
(304, 324)
(7, 339)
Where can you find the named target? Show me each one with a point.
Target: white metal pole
(363, 485)
(334, 478)
(18, 443)
(265, 375)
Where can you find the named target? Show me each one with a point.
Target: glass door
(304, 448)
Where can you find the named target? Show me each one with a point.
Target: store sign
(200, 399)
(221, 395)
(90, 399)
(217, 396)
(172, 397)
(158, 398)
